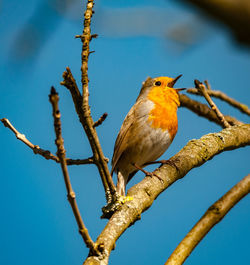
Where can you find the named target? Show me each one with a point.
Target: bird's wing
(127, 129)
(120, 143)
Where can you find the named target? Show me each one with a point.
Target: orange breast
(164, 113)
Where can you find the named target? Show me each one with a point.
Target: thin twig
(45, 153)
(54, 98)
(84, 110)
(222, 96)
(203, 90)
(86, 36)
(70, 83)
(36, 149)
(100, 120)
(77, 162)
(82, 105)
(204, 111)
(208, 86)
(214, 215)
(78, 106)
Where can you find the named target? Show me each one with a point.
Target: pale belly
(148, 145)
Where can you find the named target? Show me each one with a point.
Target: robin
(148, 129)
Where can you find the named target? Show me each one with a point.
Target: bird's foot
(147, 173)
(171, 162)
(114, 204)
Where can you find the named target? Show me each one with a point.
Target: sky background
(136, 40)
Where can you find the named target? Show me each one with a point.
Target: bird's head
(161, 87)
(167, 82)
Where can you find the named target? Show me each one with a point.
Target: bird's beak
(171, 84)
(179, 89)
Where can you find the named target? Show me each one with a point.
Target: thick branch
(204, 111)
(214, 214)
(45, 153)
(194, 154)
(222, 96)
(54, 98)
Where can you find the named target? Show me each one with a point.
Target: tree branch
(81, 103)
(78, 162)
(45, 153)
(213, 106)
(204, 111)
(214, 215)
(70, 83)
(194, 154)
(100, 120)
(222, 96)
(83, 110)
(54, 98)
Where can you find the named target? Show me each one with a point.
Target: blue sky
(37, 43)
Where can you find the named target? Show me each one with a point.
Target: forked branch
(45, 153)
(204, 111)
(214, 215)
(82, 103)
(204, 92)
(222, 96)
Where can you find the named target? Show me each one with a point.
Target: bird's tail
(121, 184)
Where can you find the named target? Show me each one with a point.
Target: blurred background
(208, 40)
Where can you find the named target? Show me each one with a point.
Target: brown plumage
(148, 129)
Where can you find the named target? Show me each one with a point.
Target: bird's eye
(157, 83)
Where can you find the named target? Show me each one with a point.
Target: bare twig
(214, 214)
(82, 104)
(36, 149)
(203, 90)
(93, 36)
(222, 96)
(100, 120)
(91, 134)
(45, 153)
(70, 83)
(204, 111)
(54, 98)
(86, 36)
(84, 109)
(77, 162)
(208, 86)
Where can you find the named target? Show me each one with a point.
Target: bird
(148, 129)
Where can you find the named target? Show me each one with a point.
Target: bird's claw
(172, 162)
(115, 204)
(152, 174)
